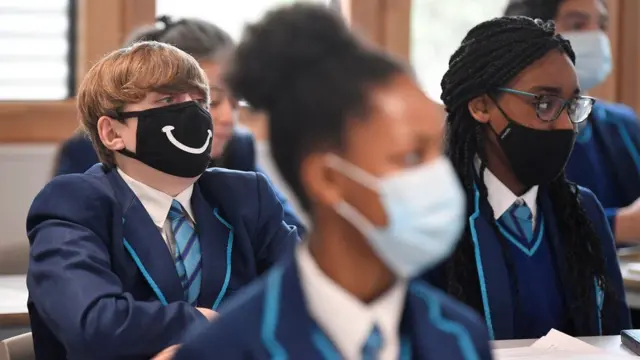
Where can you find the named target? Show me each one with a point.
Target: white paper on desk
(557, 345)
(13, 301)
(529, 353)
(557, 340)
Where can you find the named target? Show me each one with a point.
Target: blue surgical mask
(425, 208)
(593, 56)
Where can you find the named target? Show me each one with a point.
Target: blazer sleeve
(616, 308)
(274, 237)
(73, 288)
(290, 216)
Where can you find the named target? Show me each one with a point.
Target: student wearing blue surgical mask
(606, 156)
(351, 132)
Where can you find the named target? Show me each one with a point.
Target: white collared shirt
(501, 198)
(158, 204)
(344, 318)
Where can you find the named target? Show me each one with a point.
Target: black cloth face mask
(536, 157)
(174, 139)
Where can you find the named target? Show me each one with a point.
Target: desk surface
(13, 300)
(609, 343)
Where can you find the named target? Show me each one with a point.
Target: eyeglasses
(549, 107)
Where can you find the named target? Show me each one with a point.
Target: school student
(233, 146)
(537, 252)
(143, 248)
(351, 133)
(606, 156)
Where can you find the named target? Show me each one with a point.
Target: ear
(320, 181)
(479, 108)
(109, 132)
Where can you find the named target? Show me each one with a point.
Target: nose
(563, 122)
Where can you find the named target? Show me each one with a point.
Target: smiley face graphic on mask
(174, 139)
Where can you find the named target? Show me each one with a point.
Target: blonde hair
(126, 76)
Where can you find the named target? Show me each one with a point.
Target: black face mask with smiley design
(174, 139)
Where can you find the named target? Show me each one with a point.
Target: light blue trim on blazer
(481, 278)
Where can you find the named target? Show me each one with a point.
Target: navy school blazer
(102, 283)
(615, 128)
(493, 276)
(76, 155)
(269, 320)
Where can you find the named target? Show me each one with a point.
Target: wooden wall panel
(102, 27)
(628, 61)
(609, 90)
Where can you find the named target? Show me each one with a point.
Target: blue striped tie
(188, 255)
(519, 220)
(371, 348)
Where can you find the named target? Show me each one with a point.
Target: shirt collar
(344, 318)
(501, 198)
(155, 201)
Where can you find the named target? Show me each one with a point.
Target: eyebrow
(576, 15)
(554, 90)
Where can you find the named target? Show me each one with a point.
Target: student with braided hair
(537, 252)
(606, 158)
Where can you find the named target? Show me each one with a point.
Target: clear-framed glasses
(549, 107)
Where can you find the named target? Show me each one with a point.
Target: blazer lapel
(216, 243)
(494, 281)
(431, 335)
(143, 241)
(290, 327)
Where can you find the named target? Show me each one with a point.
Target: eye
(166, 100)
(214, 103)
(544, 104)
(548, 107)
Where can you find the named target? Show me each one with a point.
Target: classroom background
(46, 47)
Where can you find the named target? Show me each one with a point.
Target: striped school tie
(371, 348)
(519, 219)
(188, 255)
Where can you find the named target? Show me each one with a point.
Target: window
(229, 15)
(437, 29)
(37, 49)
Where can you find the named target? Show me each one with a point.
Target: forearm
(625, 227)
(120, 327)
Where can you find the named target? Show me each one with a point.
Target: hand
(167, 354)
(627, 223)
(208, 313)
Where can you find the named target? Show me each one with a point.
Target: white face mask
(425, 208)
(593, 56)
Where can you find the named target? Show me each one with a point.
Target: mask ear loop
(510, 121)
(353, 172)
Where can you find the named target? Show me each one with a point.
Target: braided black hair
(491, 55)
(302, 66)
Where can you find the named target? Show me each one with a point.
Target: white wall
(24, 170)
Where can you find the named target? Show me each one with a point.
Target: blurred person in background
(353, 135)
(606, 156)
(233, 146)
